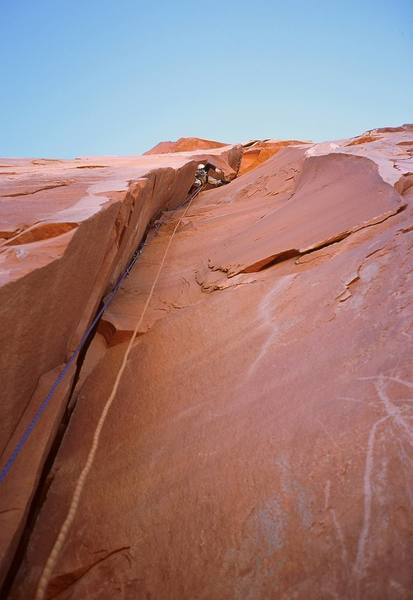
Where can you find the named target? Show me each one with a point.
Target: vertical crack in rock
(142, 201)
(46, 477)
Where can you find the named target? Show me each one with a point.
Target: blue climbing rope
(39, 412)
(105, 303)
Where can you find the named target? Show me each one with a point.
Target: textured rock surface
(261, 442)
(258, 151)
(67, 230)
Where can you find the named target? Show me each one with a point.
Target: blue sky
(116, 77)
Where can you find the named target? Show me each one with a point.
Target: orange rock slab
(68, 229)
(261, 441)
(257, 152)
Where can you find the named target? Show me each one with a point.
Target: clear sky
(117, 76)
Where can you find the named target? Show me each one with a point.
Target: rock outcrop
(184, 144)
(261, 441)
(258, 151)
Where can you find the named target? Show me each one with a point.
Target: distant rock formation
(184, 144)
(261, 441)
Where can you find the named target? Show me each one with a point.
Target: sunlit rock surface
(258, 151)
(67, 230)
(261, 442)
(183, 145)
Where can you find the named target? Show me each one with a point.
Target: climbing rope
(21, 442)
(44, 404)
(64, 530)
(9, 240)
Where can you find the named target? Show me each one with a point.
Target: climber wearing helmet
(208, 175)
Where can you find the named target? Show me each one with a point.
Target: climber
(201, 175)
(208, 175)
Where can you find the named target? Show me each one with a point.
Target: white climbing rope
(17, 235)
(64, 530)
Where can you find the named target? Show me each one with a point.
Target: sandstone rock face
(258, 151)
(184, 144)
(67, 230)
(261, 441)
